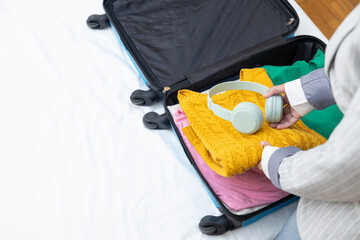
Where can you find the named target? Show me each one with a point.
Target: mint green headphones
(246, 117)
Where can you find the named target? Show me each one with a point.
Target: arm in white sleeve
(312, 91)
(329, 172)
(266, 154)
(271, 159)
(297, 98)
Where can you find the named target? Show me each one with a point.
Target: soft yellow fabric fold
(224, 149)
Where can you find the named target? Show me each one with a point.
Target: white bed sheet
(75, 159)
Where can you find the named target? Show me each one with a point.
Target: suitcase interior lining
(176, 38)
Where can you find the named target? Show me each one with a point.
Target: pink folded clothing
(249, 189)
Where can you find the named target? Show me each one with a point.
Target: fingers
(286, 112)
(275, 90)
(265, 144)
(287, 121)
(274, 125)
(290, 116)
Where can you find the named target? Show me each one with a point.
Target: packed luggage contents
(224, 149)
(227, 158)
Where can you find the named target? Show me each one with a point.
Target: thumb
(265, 144)
(275, 90)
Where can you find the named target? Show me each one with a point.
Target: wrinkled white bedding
(75, 159)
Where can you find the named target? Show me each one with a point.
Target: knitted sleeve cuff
(276, 159)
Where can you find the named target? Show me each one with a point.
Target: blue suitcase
(197, 44)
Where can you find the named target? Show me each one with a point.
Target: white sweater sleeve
(266, 154)
(297, 99)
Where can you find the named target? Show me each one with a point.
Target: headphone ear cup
(274, 109)
(247, 118)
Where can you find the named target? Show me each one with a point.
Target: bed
(76, 160)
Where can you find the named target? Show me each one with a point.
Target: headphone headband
(233, 85)
(246, 117)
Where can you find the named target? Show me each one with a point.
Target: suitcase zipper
(291, 21)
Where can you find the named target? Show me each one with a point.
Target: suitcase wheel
(212, 225)
(144, 98)
(152, 120)
(96, 21)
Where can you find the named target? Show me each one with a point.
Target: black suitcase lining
(175, 38)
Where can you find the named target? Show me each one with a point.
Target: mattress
(76, 161)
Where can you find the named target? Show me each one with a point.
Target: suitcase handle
(96, 21)
(152, 120)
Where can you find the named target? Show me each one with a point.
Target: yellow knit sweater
(224, 149)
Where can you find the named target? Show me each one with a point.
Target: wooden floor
(327, 14)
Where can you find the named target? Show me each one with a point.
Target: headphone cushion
(247, 117)
(274, 109)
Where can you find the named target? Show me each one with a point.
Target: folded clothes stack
(227, 151)
(226, 157)
(247, 190)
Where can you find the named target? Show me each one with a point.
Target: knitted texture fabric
(223, 148)
(247, 190)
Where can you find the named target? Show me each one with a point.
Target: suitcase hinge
(166, 89)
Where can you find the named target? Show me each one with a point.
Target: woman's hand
(290, 116)
(263, 144)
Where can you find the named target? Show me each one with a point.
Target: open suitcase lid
(172, 40)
